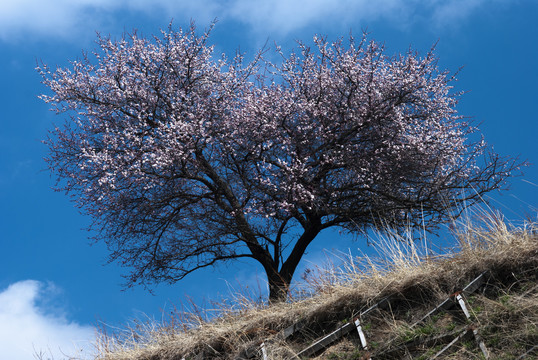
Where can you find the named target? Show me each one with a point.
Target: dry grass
(420, 278)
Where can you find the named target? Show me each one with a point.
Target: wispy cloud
(284, 16)
(66, 18)
(29, 327)
(57, 18)
(444, 12)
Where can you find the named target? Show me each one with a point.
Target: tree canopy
(184, 159)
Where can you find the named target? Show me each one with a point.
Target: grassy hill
(408, 303)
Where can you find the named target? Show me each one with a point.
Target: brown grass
(409, 271)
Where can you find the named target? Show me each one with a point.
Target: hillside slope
(479, 301)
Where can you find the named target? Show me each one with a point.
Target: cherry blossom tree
(185, 160)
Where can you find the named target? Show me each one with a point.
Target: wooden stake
(264, 351)
(480, 342)
(361, 334)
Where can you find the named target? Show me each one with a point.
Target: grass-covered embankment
(503, 310)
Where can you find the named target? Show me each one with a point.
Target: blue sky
(54, 287)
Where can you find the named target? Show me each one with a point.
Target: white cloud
(67, 18)
(284, 16)
(27, 328)
(58, 18)
(446, 11)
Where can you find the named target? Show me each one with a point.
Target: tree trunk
(279, 281)
(279, 287)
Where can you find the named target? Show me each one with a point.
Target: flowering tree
(184, 161)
